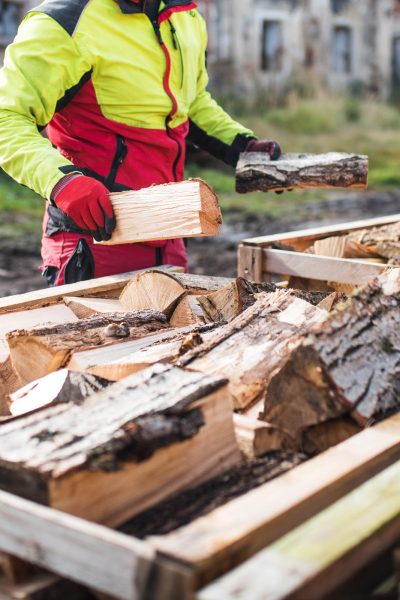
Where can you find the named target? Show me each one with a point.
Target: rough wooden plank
(255, 171)
(39, 351)
(161, 212)
(303, 238)
(323, 268)
(142, 440)
(229, 535)
(110, 285)
(250, 263)
(74, 548)
(350, 366)
(44, 586)
(317, 557)
(248, 349)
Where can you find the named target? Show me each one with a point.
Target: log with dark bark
(348, 366)
(257, 172)
(55, 388)
(250, 348)
(157, 290)
(124, 449)
(39, 351)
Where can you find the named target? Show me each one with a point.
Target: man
(118, 85)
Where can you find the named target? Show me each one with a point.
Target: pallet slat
(315, 558)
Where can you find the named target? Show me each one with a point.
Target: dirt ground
(19, 264)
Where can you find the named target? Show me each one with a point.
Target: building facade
(259, 45)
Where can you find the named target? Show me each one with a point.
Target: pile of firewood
(138, 397)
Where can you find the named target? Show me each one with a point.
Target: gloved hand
(86, 201)
(269, 146)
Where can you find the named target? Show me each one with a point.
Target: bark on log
(37, 352)
(256, 172)
(250, 348)
(162, 291)
(348, 366)
(55, 388)
(161, 212)
(124, 449)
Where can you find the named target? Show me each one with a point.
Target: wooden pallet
(258, 261)
(177, 566)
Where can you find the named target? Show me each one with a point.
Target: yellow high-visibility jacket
(118, 88)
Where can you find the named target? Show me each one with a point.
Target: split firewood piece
(255, 438)
(250, 348)
(348, 366)
(161, 212)
(331, 301)
(55, 388)
(320, 437)
(9, 382)
(122, 450)
(228, 302)
(157, 290)
(160, 351)
(255, 171)
(39, 351)
(343, 247)
(188, 312)
(86, 307)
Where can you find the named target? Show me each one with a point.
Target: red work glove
(86, 201)
(269, 146)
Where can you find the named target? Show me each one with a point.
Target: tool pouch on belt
(80, 266)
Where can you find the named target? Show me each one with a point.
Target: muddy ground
(19, 261)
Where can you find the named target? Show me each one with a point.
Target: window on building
(272, 46)
(10, 16)
(338, 6)
(342, 50)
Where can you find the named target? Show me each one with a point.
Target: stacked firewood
(155, 391)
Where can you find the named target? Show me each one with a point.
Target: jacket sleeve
(40, 67)
(210, 127)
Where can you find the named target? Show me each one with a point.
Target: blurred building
(256, 46)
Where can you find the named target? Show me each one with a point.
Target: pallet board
(259, 259)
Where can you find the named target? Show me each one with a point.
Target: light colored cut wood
(57, 387)
(313, 560)
(39, 351)
(256, 438)
(255, 171)
(161, 212)
(86, 307)
(188, 311)
(122, 450)
(215, 543)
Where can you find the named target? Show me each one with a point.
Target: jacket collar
(130, 8)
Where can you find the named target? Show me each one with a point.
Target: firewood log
(55, 388)
(188, 312)
(161, 212)
(39, 351)
(257, 172)
(348, 366)
(255, 438)
(124, 449)
(157, 290)
(86, 307)
(250, 348)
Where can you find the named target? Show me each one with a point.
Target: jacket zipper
(119, 157)
(169, 93)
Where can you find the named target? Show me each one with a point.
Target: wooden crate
(178, 565)
(259, 261)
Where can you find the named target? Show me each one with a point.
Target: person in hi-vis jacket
(118, 85)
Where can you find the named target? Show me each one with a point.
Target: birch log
(162, 212)
(256, 172)
(124, 449)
